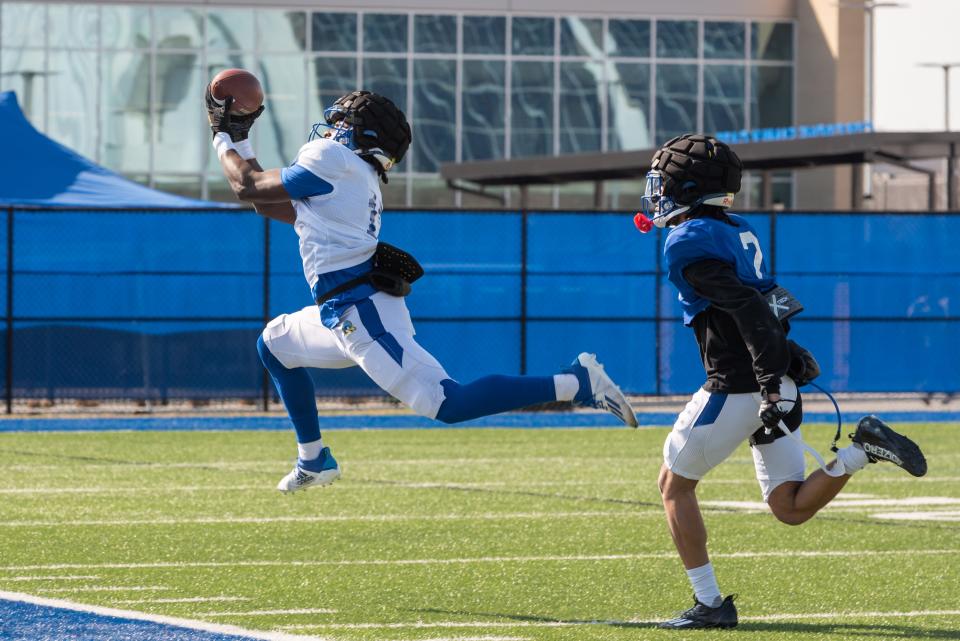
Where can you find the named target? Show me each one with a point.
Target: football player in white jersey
(331, 195)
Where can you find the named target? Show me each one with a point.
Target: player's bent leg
(679, 495)
(289, 344)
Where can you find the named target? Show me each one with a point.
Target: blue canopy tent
(39, 171)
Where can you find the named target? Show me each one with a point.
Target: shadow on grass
(834, 630)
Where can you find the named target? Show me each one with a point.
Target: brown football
(242, 85)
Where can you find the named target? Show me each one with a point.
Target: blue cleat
(598, 390)
(318, 472)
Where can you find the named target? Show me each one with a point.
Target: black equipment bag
(394, 270)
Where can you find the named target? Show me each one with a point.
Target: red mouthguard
(642, 223)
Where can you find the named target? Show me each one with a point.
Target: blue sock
(296, 392)
(492, 395)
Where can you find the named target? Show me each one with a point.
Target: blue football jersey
(707, 238)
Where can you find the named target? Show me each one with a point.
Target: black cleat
(702, 616)
(883, 444)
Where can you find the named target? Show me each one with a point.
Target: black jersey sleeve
(762, 333)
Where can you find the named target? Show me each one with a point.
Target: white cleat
(321, 471)
(598, 390)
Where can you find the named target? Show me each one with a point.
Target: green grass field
(467, 534)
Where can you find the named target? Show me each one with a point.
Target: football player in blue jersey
(331, 196)
(740, 318)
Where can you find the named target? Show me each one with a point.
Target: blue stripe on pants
(710, 412)
(370, 318)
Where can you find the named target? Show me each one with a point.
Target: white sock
(705, 585)
(566, 385)
(311, 450)
(853, 458)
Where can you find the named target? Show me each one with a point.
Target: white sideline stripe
(375, 518)
(943, 515)
(262, 613)
(853, 615)
(133, 490)
(190, 599)
(155, 618)
(51, 577)
(842, 502)
(569, 624)
(487, 559)
(107, 588)
(419, 485)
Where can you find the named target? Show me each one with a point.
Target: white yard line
(567, 624)
(134, 490)
(845, 502)
(264, 613)
(51, 577)
(942, 515)
(107, 588)
(154, 618)
(374, 518)
(786, 554)
(190, 599)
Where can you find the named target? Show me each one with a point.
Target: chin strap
(838, 467)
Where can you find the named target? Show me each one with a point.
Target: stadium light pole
(868, 7)
(946, 66)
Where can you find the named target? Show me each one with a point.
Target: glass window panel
(629, 38)
(125, 98)
(533, 36)
(280, 131)
(676, 101)
(531, 102)
(434, 113)
(387, 77)
(723, 98)
(73, 100)
(724, 40)
(330, 78)
(484, 34)
(188, 186)
(577, 195)
(23, 24)
(581, 37)
(435, 34)
(23, 72)
(483, 105)
(623, 194)
(124, 27)
(178, 28)
(281, 30)
(580, 114)
(677, 38)
(771, 99)
(771, 40)
(73, 25)
(432, 192)
(395, 192)
(628, 106)
(334, 32)
(179, 127)
(385, 32)
(230, 29)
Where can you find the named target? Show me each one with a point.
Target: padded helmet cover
(377, 123)
(694, 166)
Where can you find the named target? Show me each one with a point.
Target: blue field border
(20, 621)
(519, 420)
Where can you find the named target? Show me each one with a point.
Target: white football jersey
(338, 229)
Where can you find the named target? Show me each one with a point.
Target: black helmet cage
(695, 166)
(376, 123)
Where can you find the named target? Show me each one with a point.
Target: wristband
(245, 149)
(222, 144)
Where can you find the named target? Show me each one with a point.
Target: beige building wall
(831, 73)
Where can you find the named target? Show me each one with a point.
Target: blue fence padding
(870, 242)
(589, 270)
